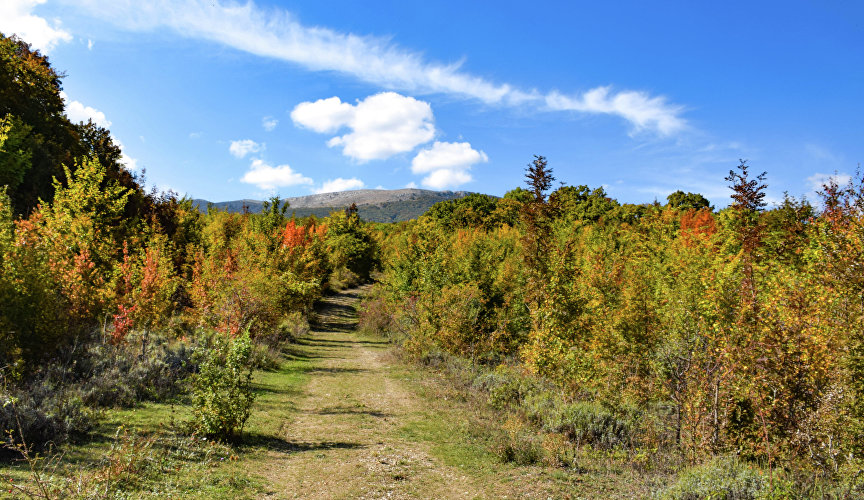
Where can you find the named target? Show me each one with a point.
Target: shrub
(727, 478)
(223, 394)
(506, 388)
(118, 376)
(42, 415)
(518, 444)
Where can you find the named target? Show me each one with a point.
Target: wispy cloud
(269, 123)
(275, 33)
(16, 16)
(817, 181)
(244, 147)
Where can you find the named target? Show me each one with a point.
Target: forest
(718, 349)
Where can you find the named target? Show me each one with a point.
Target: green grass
(174, 465)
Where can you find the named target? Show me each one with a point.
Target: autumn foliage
(713, 332)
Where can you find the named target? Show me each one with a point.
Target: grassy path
(344, 419)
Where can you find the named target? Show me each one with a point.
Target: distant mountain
(377, 205)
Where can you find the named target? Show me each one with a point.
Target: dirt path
(361, 428)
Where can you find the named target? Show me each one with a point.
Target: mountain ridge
(376, 205)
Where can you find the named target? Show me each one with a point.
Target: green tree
(43, 134)
(682, 200)
(582, 203)
(14, 157)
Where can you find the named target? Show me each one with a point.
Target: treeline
(110, 295)
(661, 330)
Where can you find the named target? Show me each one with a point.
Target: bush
(375, 315)
(506, 387)
(42, 415)
(118, 376)
(518, 444)
(223, 394)
(727, 478)
(583, 422)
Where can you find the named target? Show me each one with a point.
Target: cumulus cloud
(78, 112)
(275, 33)
(340, 184)
(269, 123)
(324, 115)
(380, 126)
(447, 164)
(242, 148)
(269, 177)
(130, 163)
(16, 16)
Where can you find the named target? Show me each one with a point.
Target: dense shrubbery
(110, 296)
(660, 327)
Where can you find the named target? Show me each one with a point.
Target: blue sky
(225, 100)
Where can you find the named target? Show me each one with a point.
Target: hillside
(376, 205)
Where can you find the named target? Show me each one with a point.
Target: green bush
(727, 478)
(222, 390)
(583, 422)
(506, 388)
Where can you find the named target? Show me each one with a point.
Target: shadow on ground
(284, 446)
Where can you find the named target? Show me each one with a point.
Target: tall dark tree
(538, 215)
(30, 101)
(748, 202)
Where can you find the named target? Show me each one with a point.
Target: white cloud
(817, 180)
(446, 178)
(269, 123)
(380, 126)
(340, 184)
(196, 135)
(89, 44)
(640, 109)
(16, 16)
(275, 33)
(324, 115)
(447, 164)
(78, 112)
(242, 148)
(411, 185)
(453, 155)
(269, 177)
(130, 163)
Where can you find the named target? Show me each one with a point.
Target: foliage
(350, 245)
(222, 389)
(681, 200)
(725, 478)
(671, 328)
